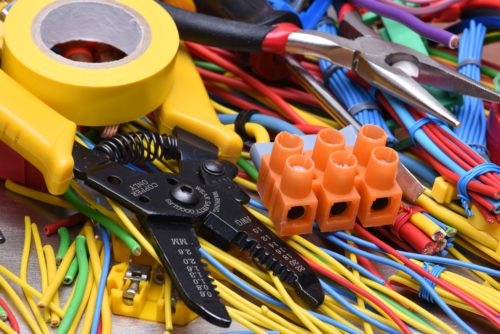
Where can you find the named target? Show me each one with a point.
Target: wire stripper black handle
(218, 32)
(250, 11)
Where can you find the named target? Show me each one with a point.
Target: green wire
(71, 273)
(400, 308)
(248, 168)
(83, 264)
(486, 70)
(3, 314)
(209, 66)
(110, 225)
(64, 242)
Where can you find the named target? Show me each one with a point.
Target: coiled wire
(135, 147)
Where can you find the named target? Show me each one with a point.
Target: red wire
(12, 318)
(288, 94)
(390, 236)
(452, 177)
(484, 309)
(368, 265)
(99, 326)
(226, 54)
(204, 53)
(488, 216)
(238, 101)
(76, 219)
(333, 276)
(309, 128)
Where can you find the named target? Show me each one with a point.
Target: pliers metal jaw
(200, 200)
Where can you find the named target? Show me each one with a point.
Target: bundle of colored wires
(355, 98)
(471, 114)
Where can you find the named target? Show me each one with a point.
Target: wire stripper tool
(200, 200)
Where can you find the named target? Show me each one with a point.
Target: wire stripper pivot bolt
(201, 199)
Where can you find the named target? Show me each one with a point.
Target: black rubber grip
(218, 32)
(250, 11)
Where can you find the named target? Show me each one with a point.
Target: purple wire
(414, 23)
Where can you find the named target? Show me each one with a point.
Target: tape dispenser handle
(38, 133)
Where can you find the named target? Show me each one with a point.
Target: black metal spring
(139, 146)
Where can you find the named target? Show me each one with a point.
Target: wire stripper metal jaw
(200, 200)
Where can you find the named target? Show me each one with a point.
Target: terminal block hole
(338, 208)
(380, 203)
(296, 212)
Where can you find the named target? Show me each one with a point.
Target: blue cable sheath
(268, 122)
(257, 204)
(471, 113)
(423, 283)
(102, 281)
(262, 296)
(421, 257)
(349, 92)
(418, 168)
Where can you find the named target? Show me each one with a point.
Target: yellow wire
(25, 286)
(36, 195)
(23, 272)
(6, 329)
(48, 294)
(146, 125)
(89, 312)
(70, 297)
(222, 109)
(482, 248)
(19, 305)
(245, 155)
(245, 183)
(92, 202)
(487, 278)
(240, 317)
(413, 306)
(456, 221)
(86, 295)
(42, 264)
(96, 265)
(168, 303)
(133, 230)
(427, 226)
(367, 326)
(252, 310)
(475, 251)
(299, 311)
(50, 260)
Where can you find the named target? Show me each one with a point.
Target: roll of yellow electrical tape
(92, 93)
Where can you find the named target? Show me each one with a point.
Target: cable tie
(469, 61)
(435, 271)
(364, 105)
(240, 121)
(404, 215)
(329, 72)
(464, 180)
(418, 124)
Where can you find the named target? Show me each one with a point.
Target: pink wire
(435, 7)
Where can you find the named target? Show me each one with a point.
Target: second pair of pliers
(385, 65)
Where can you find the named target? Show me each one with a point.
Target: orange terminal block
(293, 206)
(376, 179)
(285, 145)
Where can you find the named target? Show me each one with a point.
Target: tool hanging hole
(114, 180)
(338, 208)
(144, 199)
(296, 212)
(380, 203)
(187, 189)
(172, 181)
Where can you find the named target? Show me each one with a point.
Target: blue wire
(435, 220)
(262, 296)
(423, 283)
(421, 257)
(257, 204)
(349, 92)
(268, 122)
(102, 281)
(471, 113)
(354, 265)
(418, 168)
